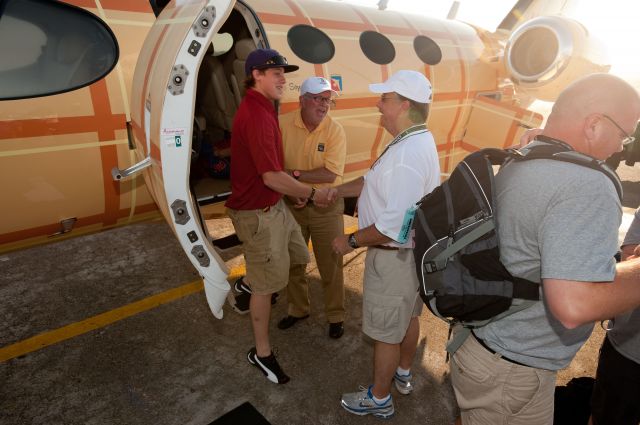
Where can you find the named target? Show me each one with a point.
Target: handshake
(322, 197)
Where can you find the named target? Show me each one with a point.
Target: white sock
(381, 400)
(403, 372)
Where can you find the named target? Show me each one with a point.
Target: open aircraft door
(162, 113)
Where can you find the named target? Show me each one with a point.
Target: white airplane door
(162, 113)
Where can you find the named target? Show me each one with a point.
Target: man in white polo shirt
(406, 170)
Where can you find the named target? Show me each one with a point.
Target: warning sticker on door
(173, 136)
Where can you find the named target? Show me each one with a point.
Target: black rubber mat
(245, 414)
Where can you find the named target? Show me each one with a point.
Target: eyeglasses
(627, 138)
(322, 99)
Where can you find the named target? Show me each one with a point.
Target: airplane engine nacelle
(545, 54)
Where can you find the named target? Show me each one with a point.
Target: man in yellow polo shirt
(315, 150)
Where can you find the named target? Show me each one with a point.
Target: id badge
(407, 223)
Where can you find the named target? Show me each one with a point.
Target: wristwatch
(295, 174)
(353, 243)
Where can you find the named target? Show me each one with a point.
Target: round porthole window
(310, 44)
(427, 50)
(377, 47)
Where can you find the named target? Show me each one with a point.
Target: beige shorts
(491, 390)
(271, 241)
(390, 294)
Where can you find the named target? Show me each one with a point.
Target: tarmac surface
(113, 328)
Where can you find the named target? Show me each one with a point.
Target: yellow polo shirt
(325, 147)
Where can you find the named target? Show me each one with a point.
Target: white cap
(410, 84)
(315, 85)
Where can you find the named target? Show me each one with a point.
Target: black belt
(385, 247)
(486, 347)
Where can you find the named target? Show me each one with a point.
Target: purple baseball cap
(267, 58)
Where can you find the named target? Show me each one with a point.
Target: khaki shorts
(271, 241)
(490, 390)
(390, 295)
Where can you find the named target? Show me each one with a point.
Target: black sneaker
(240, 303)
(241, 287)
(269, 366)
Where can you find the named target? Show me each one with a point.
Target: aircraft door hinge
(180, 213)
(201, 255)
(178, 79)
(205, 21)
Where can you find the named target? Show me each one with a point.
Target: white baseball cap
(315, 85)
(410, 84)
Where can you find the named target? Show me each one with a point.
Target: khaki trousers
(493, 391)
(322, 225)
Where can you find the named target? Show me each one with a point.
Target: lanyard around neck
(400, 137)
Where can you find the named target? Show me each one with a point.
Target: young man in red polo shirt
(270, 236)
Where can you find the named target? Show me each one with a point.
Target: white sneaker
(403, 383)
(362, 403)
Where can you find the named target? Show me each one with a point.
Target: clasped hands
(323, 197)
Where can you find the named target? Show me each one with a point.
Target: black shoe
(336, 330)
(289, 321)
(242, 299)
(269, 366)
(241, 303)
(241, 287)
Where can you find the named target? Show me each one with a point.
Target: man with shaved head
(558, 225)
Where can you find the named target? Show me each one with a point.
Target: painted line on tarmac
(73, 330)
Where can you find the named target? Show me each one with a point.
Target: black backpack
(457, 252)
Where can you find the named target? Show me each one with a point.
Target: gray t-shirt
(625, 335)
(555, 220)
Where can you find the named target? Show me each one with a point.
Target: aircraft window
(310, 44)
(51, 47)
(427, 50)
(377, 47)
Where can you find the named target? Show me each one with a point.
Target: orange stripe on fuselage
(378, 140)
(271, 18)
(384, 71)
(468, 146)
(513, 128)
(370, 102)
(295, 9)
(332, 24)
(40, 127)
(460, 100)
(501, 105)
(108, 154)
(356, 166)
(50, 229)
(120, 5)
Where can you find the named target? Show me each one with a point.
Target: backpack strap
(440, 261)
(461, 336)
(560, 151)
(525, 289)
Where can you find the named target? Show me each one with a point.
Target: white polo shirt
(407, 171)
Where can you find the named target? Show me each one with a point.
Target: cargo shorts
(390, 294)
(272, 241)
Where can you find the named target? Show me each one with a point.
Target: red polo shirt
(256, 147)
